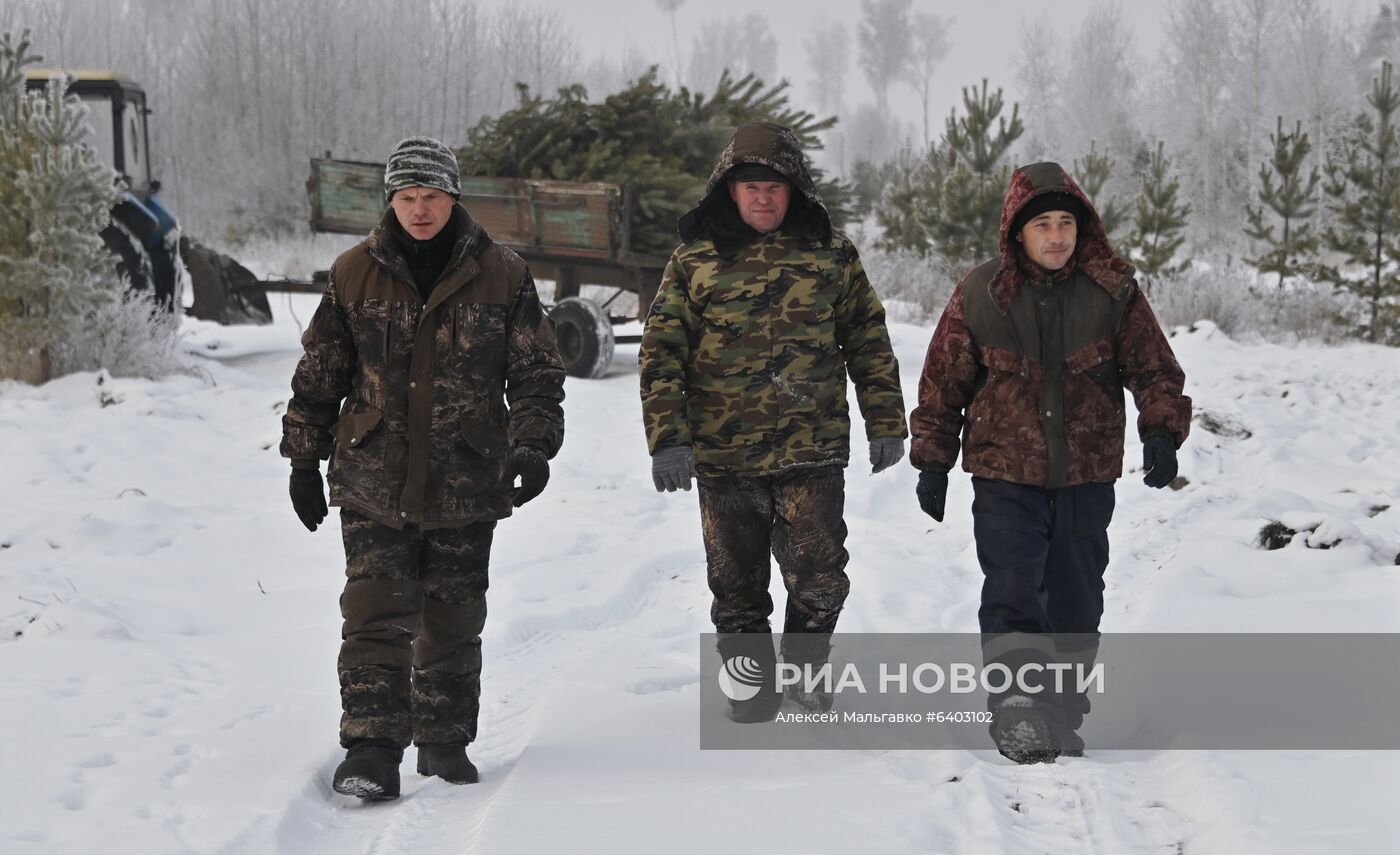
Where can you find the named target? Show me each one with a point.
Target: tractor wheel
(169, 279)
(133, 261)
(585, 336)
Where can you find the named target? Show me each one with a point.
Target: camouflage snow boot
(369, 771)
(448, 762)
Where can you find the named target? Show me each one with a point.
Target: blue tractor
(143, 235)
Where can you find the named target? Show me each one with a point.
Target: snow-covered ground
(170, 632)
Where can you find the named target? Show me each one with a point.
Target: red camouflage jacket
(1026, 371)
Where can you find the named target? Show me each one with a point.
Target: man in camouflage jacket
(431, 381)
(1025, 373)
(761, 314)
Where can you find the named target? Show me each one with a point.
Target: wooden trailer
(574, 233)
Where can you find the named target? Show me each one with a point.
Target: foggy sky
(984, 36)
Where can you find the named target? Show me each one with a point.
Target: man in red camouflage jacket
(1025, 373)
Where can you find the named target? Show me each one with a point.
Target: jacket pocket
(357, 469)
(479, 327)
(1093, 412)
(1002, 366)
(485, 438)
(354, 428)
(1003, 360)
(1003, 412)
(1096, 361)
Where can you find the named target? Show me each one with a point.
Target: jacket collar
(468, 242)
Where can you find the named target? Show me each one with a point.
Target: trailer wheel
(585, 336)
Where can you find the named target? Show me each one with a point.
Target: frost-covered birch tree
(884, 40)
(740, 46)
(828, 60)
(929, 45)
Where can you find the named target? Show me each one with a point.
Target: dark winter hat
(422, 162)
(756, 172)
(1048, 202)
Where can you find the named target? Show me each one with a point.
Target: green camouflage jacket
(418, 406)
(746, 360)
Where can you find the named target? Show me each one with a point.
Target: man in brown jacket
(1025, 373)
(431, 381)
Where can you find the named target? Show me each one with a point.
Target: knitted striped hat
(421, 162)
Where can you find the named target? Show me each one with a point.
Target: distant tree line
(243, 94)
(1344, 230)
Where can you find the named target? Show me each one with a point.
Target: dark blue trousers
(1043, 555)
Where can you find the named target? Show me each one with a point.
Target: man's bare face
(1049, 239)
(762, 204)
(422, 211)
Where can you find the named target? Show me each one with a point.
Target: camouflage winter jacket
(746, 360)
(418, 406)
(1026, 370)
(747, 347)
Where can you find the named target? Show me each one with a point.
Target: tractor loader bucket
(224, 290)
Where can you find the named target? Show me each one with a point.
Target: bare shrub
(129, 336)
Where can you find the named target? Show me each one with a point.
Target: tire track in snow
(433, 816)
(1080, 806)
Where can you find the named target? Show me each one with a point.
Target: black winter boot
(1026, 732)
(808, 651)
(448, 762)
(1071, 745)
(369, 771)
(751, 666)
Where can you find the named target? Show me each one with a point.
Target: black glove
(308, 497)
(1158, 460)
(933, 493)
(530, 465)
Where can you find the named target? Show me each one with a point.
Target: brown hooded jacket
(419, 405)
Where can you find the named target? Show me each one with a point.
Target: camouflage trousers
(410, 656)
(796, 517)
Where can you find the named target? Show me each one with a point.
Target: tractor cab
(117, 114)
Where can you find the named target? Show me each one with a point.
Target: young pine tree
(1158, 222)
(1288, 199)
(55, 198)
(1364, 187)
(1093, 175)
(906, 208)
(976, 146)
